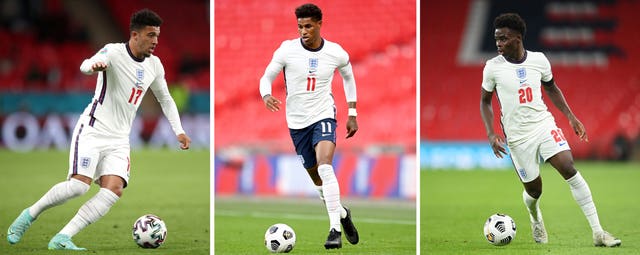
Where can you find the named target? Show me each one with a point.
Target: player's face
(507, 42)
(146, 40)
(309, 31)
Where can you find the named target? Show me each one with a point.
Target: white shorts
(94, 155)
(543, 144)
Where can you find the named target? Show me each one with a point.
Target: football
(149, 231)
(280, 238)
(500, 229)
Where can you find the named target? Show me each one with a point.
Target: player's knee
(77, 187)
(567, 170)
(535, 193)
(116, 190)
(324, 161)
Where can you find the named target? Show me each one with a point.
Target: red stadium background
(592, 46)
(380, 37)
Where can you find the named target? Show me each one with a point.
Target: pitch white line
(307, 217)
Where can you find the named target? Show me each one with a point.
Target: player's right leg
(57, 195)
(525, 161)
(535, 216)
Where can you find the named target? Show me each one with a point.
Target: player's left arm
(349, 83)
(557, 98)
(170, 110)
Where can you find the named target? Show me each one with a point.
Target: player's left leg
(338, 214)
(111, 187)
(563, 162)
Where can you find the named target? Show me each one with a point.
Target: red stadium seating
(606, 99)
(31, 64)
(381, 44)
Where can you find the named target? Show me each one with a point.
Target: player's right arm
(270, 73)
(486, 111)
(96, 63)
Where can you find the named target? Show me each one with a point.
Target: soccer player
(517, 76)
(100, 144)
(309, 63)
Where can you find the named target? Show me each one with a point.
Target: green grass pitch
(171, 184)
(455, 204)
(385, 226)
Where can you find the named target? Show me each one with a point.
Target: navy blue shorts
(305, 139)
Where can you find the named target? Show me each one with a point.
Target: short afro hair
(512, 21)
(309, 11)
(144, 17)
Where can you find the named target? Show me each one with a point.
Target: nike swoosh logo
(562, 144)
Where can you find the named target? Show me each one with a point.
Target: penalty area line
(307, 217)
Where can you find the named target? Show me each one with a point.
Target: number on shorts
(326, 127)
(558, 136)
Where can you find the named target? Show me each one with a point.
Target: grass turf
(173, 185)
(455, 204)
(385, 226)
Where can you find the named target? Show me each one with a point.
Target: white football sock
(532, 205)
(331, 191)
(343, 212)
(91, 211)
(319, 189)
(58, 194)
(582, 195)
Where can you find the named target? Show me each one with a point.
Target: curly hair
(144, 17)
(309, 11)
(512, 21)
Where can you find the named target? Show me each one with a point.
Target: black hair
(309, 11)
(144, 17)
(512, 21)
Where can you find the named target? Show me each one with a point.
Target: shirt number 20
(525, 95)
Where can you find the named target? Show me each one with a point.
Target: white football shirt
(308, 74)
(518, 87)
(120, 88)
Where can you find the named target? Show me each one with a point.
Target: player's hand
(272, 103)
(352, 126)
(185, 141)
(579, 129)
(98, 66)
(497, 143)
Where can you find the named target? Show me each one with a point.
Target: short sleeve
(546, 74)
(488, 82)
